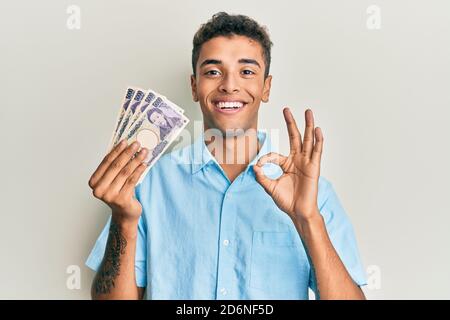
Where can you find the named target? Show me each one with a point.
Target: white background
(380, 96)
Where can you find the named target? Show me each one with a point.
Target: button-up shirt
(202, 237)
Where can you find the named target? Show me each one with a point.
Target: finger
(272, 157)
(267, 184)
(129, 185)
(318, 146)
(115, 167)
(106, 162)
(295, 138)
(127, 171)
(308, 140)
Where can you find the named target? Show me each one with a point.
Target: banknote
(149, 98)
(157, 115)
(156, 129)
(134, 104)
(152, 120)
(173, 105)
(122, 110)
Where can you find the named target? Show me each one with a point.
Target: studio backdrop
(375, 73)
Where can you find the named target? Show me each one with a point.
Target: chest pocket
(278, 265)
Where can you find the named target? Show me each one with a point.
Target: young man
(201, 227)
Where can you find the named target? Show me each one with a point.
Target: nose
(229, 85)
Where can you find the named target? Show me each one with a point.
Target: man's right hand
(115, 178)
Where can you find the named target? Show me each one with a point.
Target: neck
(237, 150)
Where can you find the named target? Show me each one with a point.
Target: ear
(266, 90)
(194, 88)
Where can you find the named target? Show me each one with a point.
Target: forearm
(333, 279)
(115, 278)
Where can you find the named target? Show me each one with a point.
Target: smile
(229, 106)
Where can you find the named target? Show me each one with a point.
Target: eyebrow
(243, 61)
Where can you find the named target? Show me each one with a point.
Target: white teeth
(229, 105)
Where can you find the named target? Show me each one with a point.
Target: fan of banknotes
(151, 119)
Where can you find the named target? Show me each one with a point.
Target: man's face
(229, 83)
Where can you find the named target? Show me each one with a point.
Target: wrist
(309, 221)
(128, 227)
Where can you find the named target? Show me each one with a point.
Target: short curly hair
(224, 24)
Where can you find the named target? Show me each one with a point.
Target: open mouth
(229, 106)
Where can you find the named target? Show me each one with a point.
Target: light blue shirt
(202, 237)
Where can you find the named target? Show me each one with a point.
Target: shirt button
(226, 242)
(223, 291)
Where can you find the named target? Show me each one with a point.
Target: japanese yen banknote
(151, 119)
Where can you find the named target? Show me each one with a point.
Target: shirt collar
(201, 155)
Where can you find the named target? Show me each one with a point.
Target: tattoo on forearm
(111, 262)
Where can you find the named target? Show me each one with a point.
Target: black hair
(224, 24)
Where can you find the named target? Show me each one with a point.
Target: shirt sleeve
(341, 233)
(96, 256)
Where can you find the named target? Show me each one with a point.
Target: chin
(233, 130)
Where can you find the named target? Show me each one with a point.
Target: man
(201, 227)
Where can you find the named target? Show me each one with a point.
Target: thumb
(266, 183)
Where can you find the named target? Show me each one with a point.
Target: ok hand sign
(295, 192)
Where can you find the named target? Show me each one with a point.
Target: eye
(212, 72)
(248, 72)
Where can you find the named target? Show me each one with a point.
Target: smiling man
(206, 222)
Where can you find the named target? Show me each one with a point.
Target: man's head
(231, 61)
